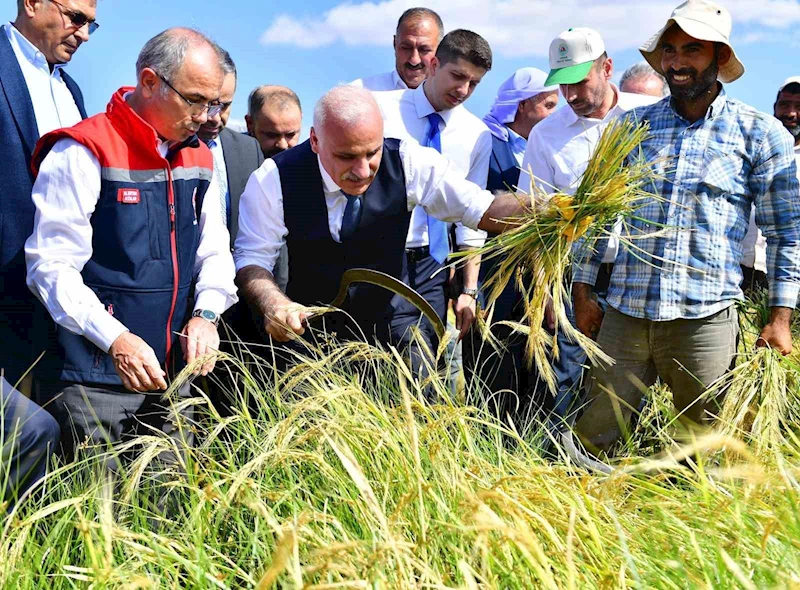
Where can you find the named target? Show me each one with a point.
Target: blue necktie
(438, 242)
(351, 217)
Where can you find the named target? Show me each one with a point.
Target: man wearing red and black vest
(128, 226)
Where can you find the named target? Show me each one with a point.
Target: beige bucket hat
(704, 20)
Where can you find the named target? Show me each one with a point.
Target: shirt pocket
(725, 196)
(724, 175)
(155, 218)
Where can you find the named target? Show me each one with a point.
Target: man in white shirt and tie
(560, 147)
(418, 34)
(343, 199)
(434, 115)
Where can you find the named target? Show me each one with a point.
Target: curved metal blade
(388, 282)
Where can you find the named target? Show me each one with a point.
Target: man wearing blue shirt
(36, 96)
(672, 312)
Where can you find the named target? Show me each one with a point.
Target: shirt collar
(572, 118)
(515, 139)
(328, 184)
(28, 50)
(398, 82)
(424, 106)
(714, 109)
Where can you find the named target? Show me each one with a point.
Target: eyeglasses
(78, 19)
(197, 108)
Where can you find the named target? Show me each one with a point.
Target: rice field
(346, 472)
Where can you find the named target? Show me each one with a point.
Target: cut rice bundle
(537, 252)
(760, 397)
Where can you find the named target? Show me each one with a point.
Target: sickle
(388, 282)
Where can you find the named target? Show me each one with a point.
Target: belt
(417, 254)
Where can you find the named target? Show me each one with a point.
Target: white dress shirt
(559, 149)
(65, 195)
(381, 82)
(466, 142)
(432, 183)
(221, 174)
(53, 104)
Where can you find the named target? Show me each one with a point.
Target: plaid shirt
(708, 174)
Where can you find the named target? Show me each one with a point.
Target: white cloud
(237, 125)
(515, 28)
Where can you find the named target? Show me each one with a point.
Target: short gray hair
(166, 52)
(345, 104)
(643, 70)
(276, 98)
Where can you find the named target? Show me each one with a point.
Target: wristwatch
(471, 292)
(207, 315)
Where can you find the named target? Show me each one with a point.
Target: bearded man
(672, 312)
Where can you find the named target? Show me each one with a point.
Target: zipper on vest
(173, 242)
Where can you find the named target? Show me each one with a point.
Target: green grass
(344, 477)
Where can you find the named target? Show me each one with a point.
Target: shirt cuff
(783, 294)
(585, 273)
(211, 300)
(470, 238)
(478, 207)
(243, 261)
(102, 329)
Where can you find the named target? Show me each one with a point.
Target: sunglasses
(78, 19)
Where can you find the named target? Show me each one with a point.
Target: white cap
(572, 54)
(790, 80)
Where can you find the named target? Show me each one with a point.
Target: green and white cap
(572, 54)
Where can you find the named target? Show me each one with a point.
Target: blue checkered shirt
(708, 173)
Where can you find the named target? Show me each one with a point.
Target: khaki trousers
(688, 355)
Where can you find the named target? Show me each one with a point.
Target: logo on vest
(128, 196)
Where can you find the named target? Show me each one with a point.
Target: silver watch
(207, 315)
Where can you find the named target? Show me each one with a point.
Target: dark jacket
(25, 327)
(242, 157)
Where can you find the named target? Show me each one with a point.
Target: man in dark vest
(36, 97)
(129, 224)
(343, 199)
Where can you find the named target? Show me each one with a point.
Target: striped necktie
(438, 242)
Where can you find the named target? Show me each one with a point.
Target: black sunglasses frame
(77, 19)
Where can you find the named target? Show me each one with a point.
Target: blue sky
(311, 45)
